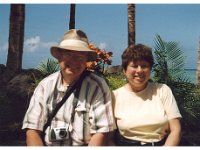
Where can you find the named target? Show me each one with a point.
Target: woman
(146, 113)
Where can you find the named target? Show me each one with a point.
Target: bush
(115, 81)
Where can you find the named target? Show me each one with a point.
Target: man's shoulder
(51, 77)
(95, 77)
(96, 80)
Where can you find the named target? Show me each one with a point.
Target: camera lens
(62, 133)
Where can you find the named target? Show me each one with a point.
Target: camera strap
(76, 85)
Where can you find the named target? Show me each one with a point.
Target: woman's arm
(33, 138)
(174, 136)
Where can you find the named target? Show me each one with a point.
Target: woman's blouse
(144, 115)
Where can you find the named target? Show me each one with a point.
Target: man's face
(72, 62)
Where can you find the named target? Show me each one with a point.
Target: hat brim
(55, 51)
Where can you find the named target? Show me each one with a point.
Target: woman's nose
(139, 68)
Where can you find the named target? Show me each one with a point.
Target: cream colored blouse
(144, 116)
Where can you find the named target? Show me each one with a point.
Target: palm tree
(72, 16)
(16, 37)
(131, 24)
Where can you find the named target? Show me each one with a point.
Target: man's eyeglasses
(77, 56)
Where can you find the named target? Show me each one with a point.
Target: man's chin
(71, 71)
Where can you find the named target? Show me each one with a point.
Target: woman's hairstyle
(137, 52)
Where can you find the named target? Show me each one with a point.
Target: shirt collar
(60, 87)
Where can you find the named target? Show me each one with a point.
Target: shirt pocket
(81, 110)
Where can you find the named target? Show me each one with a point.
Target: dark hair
(137, 52)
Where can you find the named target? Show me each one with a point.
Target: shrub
(115, 81)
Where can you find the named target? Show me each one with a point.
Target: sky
(106, 27)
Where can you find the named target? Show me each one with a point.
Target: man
(86, 117)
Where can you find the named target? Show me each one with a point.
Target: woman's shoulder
(159, 87)
(119, 90)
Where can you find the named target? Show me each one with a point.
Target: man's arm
(33, 138)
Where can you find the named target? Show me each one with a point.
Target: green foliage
(188, 102)
(35, 81)
(169, 69)
(169, 62)
(115, 81)
(48, 66)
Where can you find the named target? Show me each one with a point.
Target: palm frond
(169, 64)
(48, 66)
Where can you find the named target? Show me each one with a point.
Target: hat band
(73, 43)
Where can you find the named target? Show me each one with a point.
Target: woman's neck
(134, 88)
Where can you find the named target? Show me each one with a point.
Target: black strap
(64, 99)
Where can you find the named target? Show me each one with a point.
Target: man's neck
(68, 79)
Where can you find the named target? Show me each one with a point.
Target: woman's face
(138, 74)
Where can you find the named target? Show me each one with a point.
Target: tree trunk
(16, 37)
(131, 24)
(72, 16)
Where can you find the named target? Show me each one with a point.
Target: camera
(59, 134)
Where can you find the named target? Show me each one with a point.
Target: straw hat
(74, 40)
